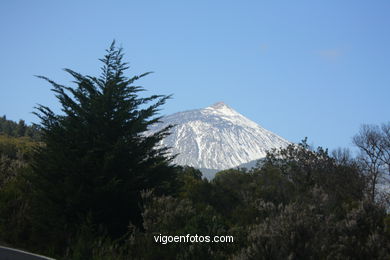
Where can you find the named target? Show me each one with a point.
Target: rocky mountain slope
(216, 137)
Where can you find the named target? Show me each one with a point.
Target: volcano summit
(216, 137)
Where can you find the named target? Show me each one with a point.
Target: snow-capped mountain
(216, 137)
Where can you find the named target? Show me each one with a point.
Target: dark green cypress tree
(21, 128)
(96, 158)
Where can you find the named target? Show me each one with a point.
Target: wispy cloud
(331, 54)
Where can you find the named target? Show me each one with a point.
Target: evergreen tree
(11, 128)
(21, 128)
(97, 158)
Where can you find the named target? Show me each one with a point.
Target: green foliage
(172, 216)
(15, 190)
(288, 232)
(307, 168)
(96, 158)
(97, 187)
(15, 155)
(271, 211)
(361, 234)
(20, 129)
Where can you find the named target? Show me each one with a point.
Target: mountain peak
(219, 105)
(216, 137)
(228, 113)
(222, 109)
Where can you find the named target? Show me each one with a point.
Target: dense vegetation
(88, 184)
(20, 129)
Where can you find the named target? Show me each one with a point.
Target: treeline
(20, 129)
(96, 187)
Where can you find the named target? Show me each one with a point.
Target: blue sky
(298, 68)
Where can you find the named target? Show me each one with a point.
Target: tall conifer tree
(96, 158)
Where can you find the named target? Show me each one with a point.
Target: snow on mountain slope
(216, 137)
